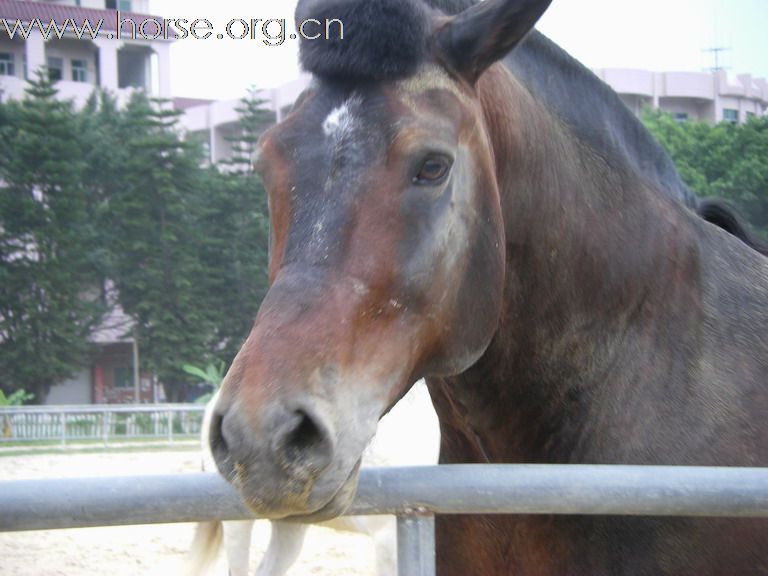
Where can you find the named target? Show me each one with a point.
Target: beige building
(711, 97)
(121, 63)
(83, 59)
(215, 123)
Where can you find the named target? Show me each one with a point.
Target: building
(707, 96)
(124, 56)
(118, 56)
(215, 123)
(112, 376)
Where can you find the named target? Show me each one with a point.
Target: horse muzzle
(287, 462)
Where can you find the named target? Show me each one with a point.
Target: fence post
(416, 544)
(105, 427)
(170, 427)
(63, 421)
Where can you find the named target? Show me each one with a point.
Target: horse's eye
(433, 171)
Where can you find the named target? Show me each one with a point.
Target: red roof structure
(46, 12)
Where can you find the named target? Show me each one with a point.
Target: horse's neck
(594, 258)
(595, 114)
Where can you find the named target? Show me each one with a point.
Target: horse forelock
(381, 40)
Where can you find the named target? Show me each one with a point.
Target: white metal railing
(101, 423)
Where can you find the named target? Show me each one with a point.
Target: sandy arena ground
(147, 550)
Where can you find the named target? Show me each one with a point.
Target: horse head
(387, 253)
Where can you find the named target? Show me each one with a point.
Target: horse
(456, 198)
(407, 436)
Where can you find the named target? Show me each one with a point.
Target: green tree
(105, 156)
(109, 193)
(235, 231)
(726, 160)
(154, 241)
(742, 175)
(49, 262)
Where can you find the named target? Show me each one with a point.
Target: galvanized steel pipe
(458, 489)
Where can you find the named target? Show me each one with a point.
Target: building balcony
(628, 81)
(117, 64)
(711, 97)
(688, 85)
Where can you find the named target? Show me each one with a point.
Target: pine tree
(235, 233)
(115, 194)
(152, 220)
(104, 156)
(49, 265)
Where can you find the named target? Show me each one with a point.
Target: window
(55, 69)
(79, 71)
(123, 377)
(730, 115)
(205, 146)
(681, 117)
(124, 5)
(7, 64)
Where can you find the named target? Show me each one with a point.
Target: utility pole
(136, 370)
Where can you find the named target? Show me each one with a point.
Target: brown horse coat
(510, 232)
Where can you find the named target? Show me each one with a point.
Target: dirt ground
(147, 550)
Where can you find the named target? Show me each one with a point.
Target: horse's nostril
(305, 436)
(303, 443)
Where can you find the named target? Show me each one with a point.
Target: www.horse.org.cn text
(270, 31)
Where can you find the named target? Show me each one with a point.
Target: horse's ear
(479, 36)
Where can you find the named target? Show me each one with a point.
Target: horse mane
(723, 215)
(611, 130)
(595, 114)
(450, 7)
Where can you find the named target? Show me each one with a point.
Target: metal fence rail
(459, 489)
(414, 494)
(103, 423)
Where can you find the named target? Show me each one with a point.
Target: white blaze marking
(342, 120)
(338, 121)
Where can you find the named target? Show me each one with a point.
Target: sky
(670, 35)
